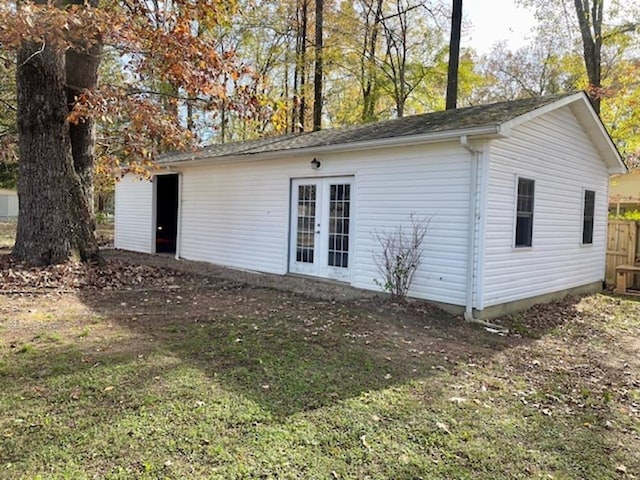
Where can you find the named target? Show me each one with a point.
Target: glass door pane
(339, 206)
(305, 237)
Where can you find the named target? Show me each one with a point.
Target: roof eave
(488, 131)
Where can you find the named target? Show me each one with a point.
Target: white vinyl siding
(237, 214)
(554, 151)
(434, 183)
(134, 214)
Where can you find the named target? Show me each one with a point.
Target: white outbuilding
(515, 192)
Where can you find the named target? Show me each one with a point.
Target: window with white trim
(524, 212)
(588, 213)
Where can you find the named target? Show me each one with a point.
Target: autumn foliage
(166, 55)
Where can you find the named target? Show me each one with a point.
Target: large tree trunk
(83, 221)
(82, 74)
(55, 220)
(44, 233)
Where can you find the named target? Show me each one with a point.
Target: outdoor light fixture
(315, 164)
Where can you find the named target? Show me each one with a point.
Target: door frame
(320, 268)
(178, 220)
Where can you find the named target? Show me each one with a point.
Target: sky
(495, 20)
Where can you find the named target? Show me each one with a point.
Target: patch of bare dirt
(586, 357)
(542, 317)
(415, 327)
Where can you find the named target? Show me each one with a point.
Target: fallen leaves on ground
(112, 275)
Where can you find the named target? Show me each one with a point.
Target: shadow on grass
(286, 352)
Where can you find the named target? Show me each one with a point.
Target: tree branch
(37, 52)
(619, 30)
(8, 105)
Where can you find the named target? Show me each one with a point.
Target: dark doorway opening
(166, 213)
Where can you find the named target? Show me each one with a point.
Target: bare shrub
(400, 255)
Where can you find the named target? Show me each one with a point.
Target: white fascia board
(592, 123)
(491, 131)
(519, 120)
(617, 171)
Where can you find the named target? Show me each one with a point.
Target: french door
(321, 227)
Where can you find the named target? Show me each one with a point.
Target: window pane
(524, 215)
(523, 231)
(587, 218)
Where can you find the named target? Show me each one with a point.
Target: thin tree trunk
(317, 73)
(368, 71)
(303, 65)
(190, 122)
(397, 48)
(590, 21)
(454, 56)
(44, 233)
(223, 122)
(286, 92)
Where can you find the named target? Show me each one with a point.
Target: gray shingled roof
(444, 121)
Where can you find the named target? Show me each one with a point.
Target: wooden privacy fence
(622, 246)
